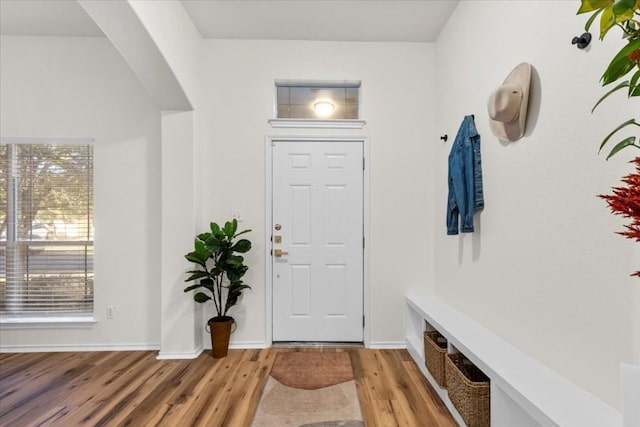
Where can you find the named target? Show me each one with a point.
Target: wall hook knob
(582, 41)
(444, 137)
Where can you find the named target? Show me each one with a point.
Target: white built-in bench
(524, 392)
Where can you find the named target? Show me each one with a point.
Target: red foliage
(625, 201)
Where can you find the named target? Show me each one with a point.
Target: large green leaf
(620, 64)
(591, 19)
(591, 5)
(204, 236)
(192, 287)
(607, 21)
(230, 228)
(200, 255)
(621, 126)
(214, 244)
(241, 246)
(196, 274)
(234, 261)
(193, 257)
(623, 10)
(627, 142)
(241, 233)
(216, 231)
(606, 95)
(634, 84)
(236, 274)
(617, 70)
(623, 7)
(209, 284)
(234, 292)
(201, 297)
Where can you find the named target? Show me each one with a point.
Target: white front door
(317, 229)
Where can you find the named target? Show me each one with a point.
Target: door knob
(279, 252)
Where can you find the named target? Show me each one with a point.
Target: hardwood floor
(135, 389)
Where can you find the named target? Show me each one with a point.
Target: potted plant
(219, 275)
(624, 14)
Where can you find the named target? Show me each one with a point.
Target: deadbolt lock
(278, 227)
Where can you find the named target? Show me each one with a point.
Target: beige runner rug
(310, 389)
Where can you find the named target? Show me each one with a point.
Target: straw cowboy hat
(508, 104)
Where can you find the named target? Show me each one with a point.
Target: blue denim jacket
(465, 178)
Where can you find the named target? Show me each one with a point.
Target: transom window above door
(317, 100)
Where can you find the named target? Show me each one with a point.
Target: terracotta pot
(220, 328)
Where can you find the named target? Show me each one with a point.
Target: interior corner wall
(81, 87)
(544, 269)
(181, 318)
(176, 37)
(398, 89)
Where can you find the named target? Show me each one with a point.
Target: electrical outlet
(111, 312)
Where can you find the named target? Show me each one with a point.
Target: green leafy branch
(625, 15)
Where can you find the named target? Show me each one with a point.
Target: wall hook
(582, 41)
(444, 138)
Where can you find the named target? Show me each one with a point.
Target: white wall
(177, 39)
(181, 318)
(397, 103)
(544, 269)
(80, 87)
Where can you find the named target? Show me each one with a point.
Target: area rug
(310, 389)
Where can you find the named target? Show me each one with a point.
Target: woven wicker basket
(435, 352)
(469, 390)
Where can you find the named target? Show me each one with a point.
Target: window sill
(44, 322)
(314, 123)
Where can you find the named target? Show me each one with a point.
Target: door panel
(318, 273)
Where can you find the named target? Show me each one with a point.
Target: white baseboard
(162, 355)
(192, 355)
(391, 345)
(77, 348)
(243, 345)
(179, 356)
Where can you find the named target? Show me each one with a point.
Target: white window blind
(46, 229)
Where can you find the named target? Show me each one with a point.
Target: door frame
(269, 140)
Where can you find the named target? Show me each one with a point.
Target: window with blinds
(46, 230)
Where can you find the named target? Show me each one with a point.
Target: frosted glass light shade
(323, 108)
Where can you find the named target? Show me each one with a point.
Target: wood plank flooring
(135, 389)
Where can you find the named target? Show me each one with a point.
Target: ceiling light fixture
(323, 108)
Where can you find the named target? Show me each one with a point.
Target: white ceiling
(343, 20)
(46, 18)
(336, 20)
